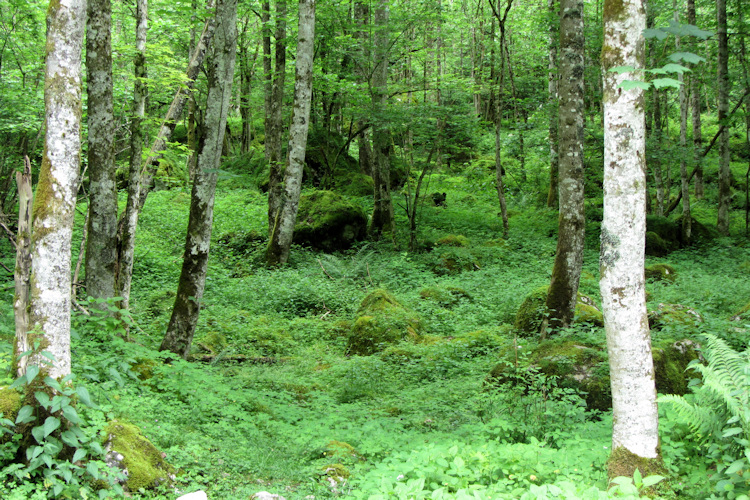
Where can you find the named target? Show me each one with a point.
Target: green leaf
(53, 383)
(71, 414)
(649, 481)
(38, 433)
(622, 480)
(634, 84)
(79, 454)
(657, 33)
(665, 82)
(31, 372)
(51, 424)
(732, 431)
(57, 489)
(687, 57)
(622, 69)
(459, 462)
(84, 396)
(43, 398)
(93, 470)
(70, 439)
(637, 477)
(24, 415)
(736, 466)
(49, 356)
(675, 68)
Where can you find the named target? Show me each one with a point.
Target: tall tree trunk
(101, 244)
(281, 238)
(274, 119)
(382, 215)
(552, 102)
(23, 265)
(635, 424)
(247, 70)
(140, 184)
(220, 72)
(695, 106)
(55, 198)
(126, 243)
(566, 273)
(362, 20)
(684, 182)
(725, 174)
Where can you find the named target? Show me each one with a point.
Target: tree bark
(140, 183)
(101, 244)
(553, 104)
(274, 118)
(725, 188)
(281, 238)
(55, 198)
(23, 265)
(382, 215)
(220, 71)
(695, 105)
(684, 183)
(566, 273)
(635, 425)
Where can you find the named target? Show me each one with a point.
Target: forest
(370, 249)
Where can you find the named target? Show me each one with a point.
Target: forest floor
(273, 401)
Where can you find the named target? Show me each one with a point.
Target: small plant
(633, 487)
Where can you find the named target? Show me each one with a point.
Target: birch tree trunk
(101, 243)
(635, 426)
(725, 189)
(566, 273)
(281, 237)
(140, 184)
(55, 198)
(274, 119)
(220, 71)
(382, 215)
(23, 264)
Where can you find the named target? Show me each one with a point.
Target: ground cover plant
(275, 399)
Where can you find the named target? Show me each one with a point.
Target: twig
(11, 235)
(324, 270)
(6, 268)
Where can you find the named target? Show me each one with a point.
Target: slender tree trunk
(684, 183)
(23, 265)
(274, 120)
(566, 273)
(695, 105)
(101, 244)
(126, 243)
(247, 70)
(281, 238)
(725, 174)
(55, 198)
(220, 71)
(140, 184)
(635, 425)
(552, 102)
(193, 111)
(656, 160)
(362, 19)
(382, 215)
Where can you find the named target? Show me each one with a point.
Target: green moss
(381, 320)
(328, 221)
(675, 316)
(378, 301)
(656, 245)
(144, 368)
(588, 313)
(341, 451)
(661, 272)
(454, 260)
(146, 467)
(447, 297)
(453, 240)
(622, 462)
(10, 403)
(532, 312)
(671, 359)
(337, 472)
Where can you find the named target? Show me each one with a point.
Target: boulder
(329, 222)
(661, 272)
(533, 311)
(139, 460)
(10, 403)
(381, 321)
(675, 316)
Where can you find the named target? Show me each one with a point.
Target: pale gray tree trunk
(101, 243)
(725, 188)
(552, 102)
(274, 118)
(281, 237)
(382, 214)
(23, 264)
(55, 197)
(695, 106)
(684, 181)
(622, 285)
(566, 273)
(220, 71)
(140, 183)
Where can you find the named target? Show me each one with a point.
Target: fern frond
(701, 420)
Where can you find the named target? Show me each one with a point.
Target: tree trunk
(281, 238)
(684, 183)
(566, 273)
(553, 105)
(55, 198)
(695, 105)
(220, 72)
(140, 184)
(382, 215)
(725, 174)
(101, 244)
(23, 265)
(635, 425)
(274, 119)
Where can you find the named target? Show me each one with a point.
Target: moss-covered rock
(143, 463)
(454, 260)
(670, 364)
(453, 240)
(10, 403)
(533, 311)
(656, 245)
(381, 320)
(675, 316)
(327, 221)
(661, 272)
(447, 297)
